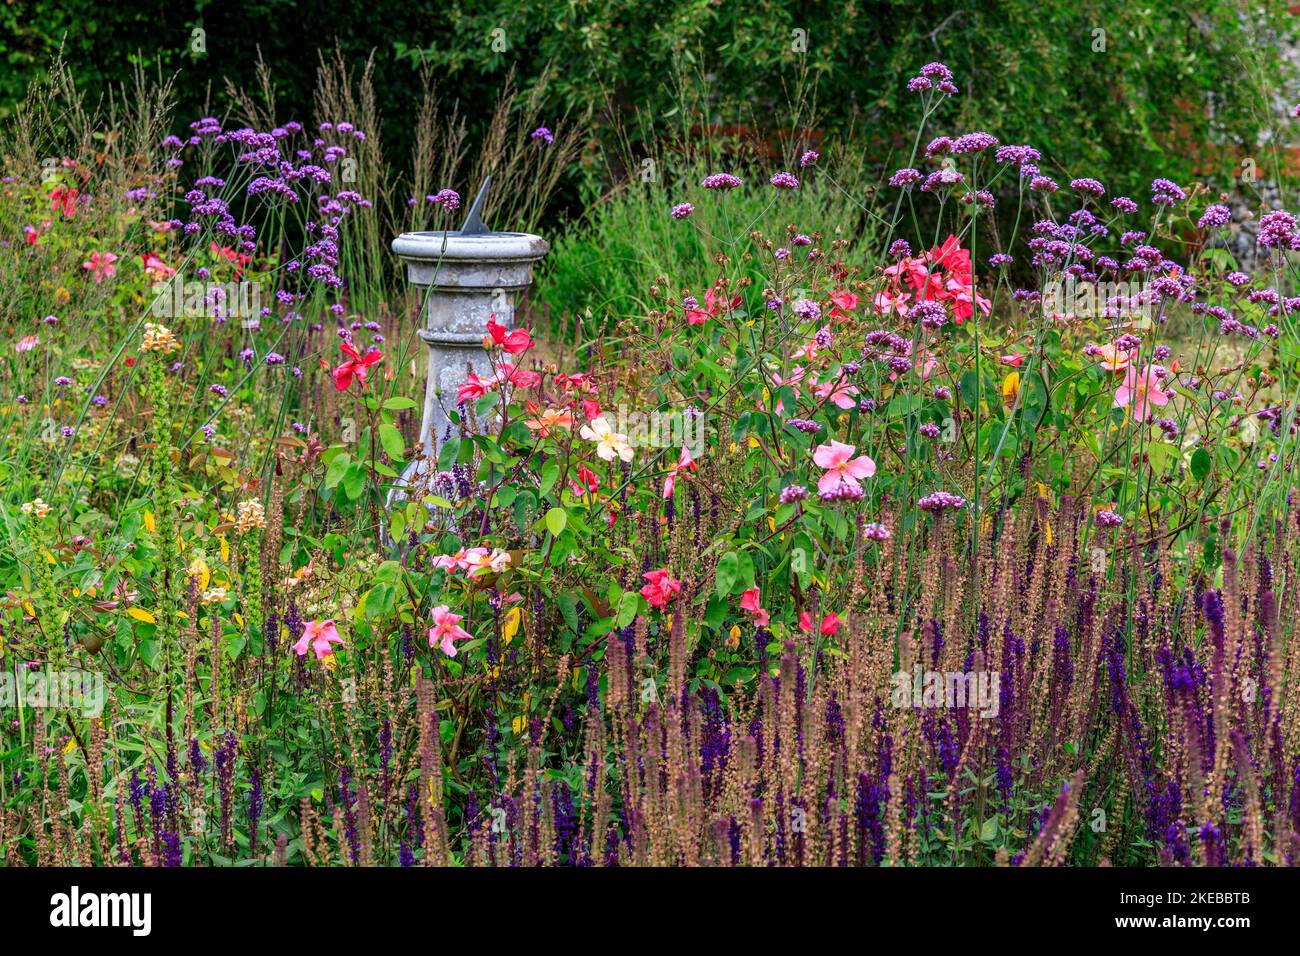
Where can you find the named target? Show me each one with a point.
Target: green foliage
(664, 512)
(1098, 83)
(608, 262)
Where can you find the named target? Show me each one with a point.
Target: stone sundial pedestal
(465, 277)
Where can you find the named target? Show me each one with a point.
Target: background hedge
(1107, 87)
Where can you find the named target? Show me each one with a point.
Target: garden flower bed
(932, 536)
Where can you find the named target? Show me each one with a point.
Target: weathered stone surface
(464, 280)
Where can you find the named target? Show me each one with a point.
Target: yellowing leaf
(1049, 534)
(199, 568)
(71, 745)
(150, 524)
(49, 557)
(140, 614)
(27, 606)
(510, 625)
(1011, 388)
(225, 549)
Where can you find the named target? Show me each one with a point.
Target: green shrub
(1097, 83)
